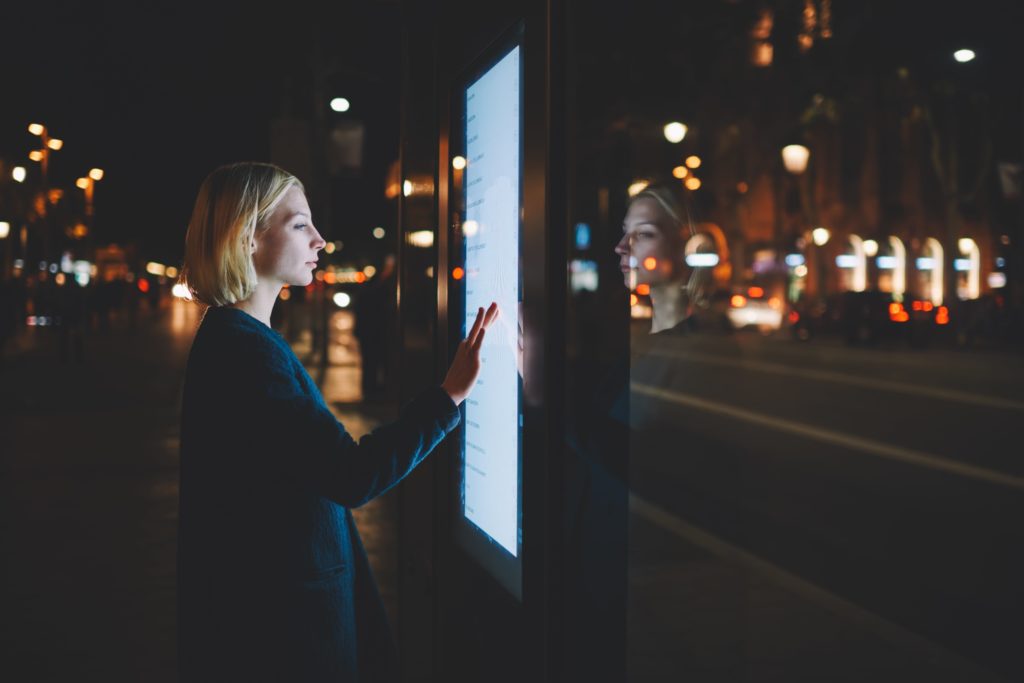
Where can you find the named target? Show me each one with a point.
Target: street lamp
(675, 132)
(88, 184)
(795, 158)
(49, 144)
(964, 56)
(18, 174)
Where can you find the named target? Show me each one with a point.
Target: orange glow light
(458, 273)
(650, 263)
(643, 289)
(680, 172)
(361, 278)
(918, 306)
(143, 285)
(330, 278)
(632, 299)
(895, 309)
(942, 316)
(775, 303)
(794, 317)
(755, 292)
(742, 187)
(928, 306)
(738, 301)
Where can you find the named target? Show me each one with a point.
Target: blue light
(1000, 262)
(886, 262)
(926, 263)
(846, 261)
(794, 260)
(582, 236)
(962, 264)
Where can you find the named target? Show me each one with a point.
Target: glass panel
(824, 474)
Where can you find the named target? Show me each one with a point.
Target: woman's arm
(302, 437)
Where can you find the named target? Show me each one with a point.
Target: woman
(273, 582)
(652, 253)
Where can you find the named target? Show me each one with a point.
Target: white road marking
(853, 380)
(869, 446)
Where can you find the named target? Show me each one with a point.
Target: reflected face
(286, 251)
(644, 251)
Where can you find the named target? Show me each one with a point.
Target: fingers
(479, 341)
(476, 326)
(492, 313)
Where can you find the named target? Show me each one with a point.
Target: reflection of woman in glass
(273, 582)
(652, 256)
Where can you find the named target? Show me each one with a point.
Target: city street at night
(522, 341)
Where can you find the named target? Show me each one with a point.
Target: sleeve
(309, 444)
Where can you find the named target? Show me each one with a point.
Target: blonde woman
(655, 231)
(273, 581)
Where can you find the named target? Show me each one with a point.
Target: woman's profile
(273, 581)
(652, 256)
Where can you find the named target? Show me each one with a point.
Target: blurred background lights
(675, 132)
(342, 300)
(340, 104)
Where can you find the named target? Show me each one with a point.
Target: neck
(670, 303)
(261, 302)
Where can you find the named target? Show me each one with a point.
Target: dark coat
(273, 581)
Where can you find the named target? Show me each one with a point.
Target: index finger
(492, 314)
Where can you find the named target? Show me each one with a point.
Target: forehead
(294, 200)
(644, 210)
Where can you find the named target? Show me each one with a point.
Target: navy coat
(273, 581)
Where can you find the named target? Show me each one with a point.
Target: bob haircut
(679, 229)
(235, 202)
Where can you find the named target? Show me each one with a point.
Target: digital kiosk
(487, 266)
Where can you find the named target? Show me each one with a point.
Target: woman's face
(286, 250)
(644, 251)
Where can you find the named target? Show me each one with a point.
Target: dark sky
(158, 94)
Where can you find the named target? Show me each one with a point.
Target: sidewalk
(89, 500)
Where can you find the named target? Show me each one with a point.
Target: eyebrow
(298, 213)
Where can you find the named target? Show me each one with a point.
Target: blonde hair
(681, 230)
(234, 203)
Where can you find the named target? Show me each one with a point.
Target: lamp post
(820, 236)
(42, 155)
(88, 185)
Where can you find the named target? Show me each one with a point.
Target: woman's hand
(466, 367)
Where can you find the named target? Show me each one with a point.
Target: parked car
(869, 317)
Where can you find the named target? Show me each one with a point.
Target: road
(820, 512)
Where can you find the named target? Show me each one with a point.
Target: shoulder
(234, 340)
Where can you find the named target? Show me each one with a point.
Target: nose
(318, 242)
(624, 246)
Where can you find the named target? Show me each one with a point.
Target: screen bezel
(505, 567)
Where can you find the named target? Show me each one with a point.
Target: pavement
(89, 498)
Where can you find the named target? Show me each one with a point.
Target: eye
(299, 226)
